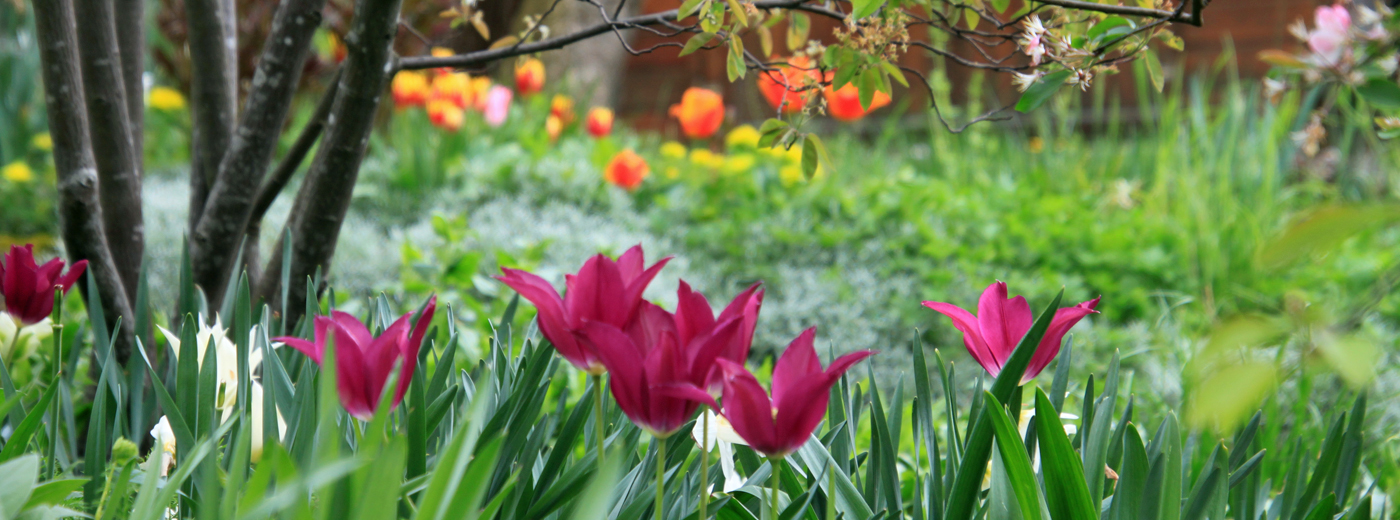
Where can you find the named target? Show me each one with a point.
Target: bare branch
(1127, 10)
(474, 59)
(325, 195)
(80, 213)
(214, 241)
(110, 132)
(291, 162)
(131, 37)
(213, 96)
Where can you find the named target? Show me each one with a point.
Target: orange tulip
(476, 93)
(562, 107)
(844, 103)
(409, 88)
(627, 169)
(783, 88)
(700, 112)
(553, 126)
(454, 87)
(445, 114)
(529, 76)
(599, 122)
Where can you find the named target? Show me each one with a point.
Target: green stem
(598, 414)
(704, 465)
(776, 478)
(57, 338)
(660, 474)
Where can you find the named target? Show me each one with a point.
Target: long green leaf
(1014, 458)
(1066, 494)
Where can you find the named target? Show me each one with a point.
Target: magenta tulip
(1001, 322)
(28, 287)
(801, 388)
(603, 290)
(363, 363)
(696, 321)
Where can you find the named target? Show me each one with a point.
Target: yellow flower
(790, 175)
(166, 98)
(736, 164)
(1036, 144)
(672, 172)
(793, 155)
(742, 136)
(673, 150)
(17, 171)
(706, 158)
(42, 141)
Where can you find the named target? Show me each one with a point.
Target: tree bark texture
(325, 194)
(131, 37)
(110, 133)
(214, 243)
(80, 212)
(213, 96)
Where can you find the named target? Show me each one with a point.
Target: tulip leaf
(978, 451)
(1014, 459)
(1040, 91)
(696, 43)
(1066, 494)
(849, 501)
(19, 439)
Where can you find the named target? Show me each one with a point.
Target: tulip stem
(598, 414)
(660, 474)
(704, 464)
(777, 463)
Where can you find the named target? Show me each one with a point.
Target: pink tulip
(1329, 38)
(363, 362)
(497, 105)
(603, 290)
(801, 388)
(1002, 322)
(28, 287)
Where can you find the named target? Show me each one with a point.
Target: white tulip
(721, 434)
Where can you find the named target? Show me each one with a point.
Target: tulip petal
(797, 363)
(631, 264)
(349, 328)
(693, 314)
(746, 305)
(689, 392)
(553, 321)
(616, 352)
(747, 407)
(843, 363)
(1003, 321)
(967, 324)
(632, 294)
(709, 348)
(651, 323)
(1049, 346)
(800, 411)
(66, 281)
(351, 375)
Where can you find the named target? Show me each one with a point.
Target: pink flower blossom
(1328, 39)
(497, 105)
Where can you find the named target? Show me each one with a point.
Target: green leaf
(1381, 92)
(1154, 69)
(893, 71)
(738, 11)
(1014, 458)
(1041, 90)
(1065, 491)
(17, 478)
(1109, 27)
(1230, 393)
(689, 8)
(864, 8)
(798, 29)
(736, 67)
(696, 43)
(849, 501)
(54, 492)
(1322, 230)
(19, 440)
(870, 83)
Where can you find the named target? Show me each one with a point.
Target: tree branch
(1127, 10)
(214, 241)
(79, 212)
(119, 187)
(213, 96)
(473, 59)
(291, 162)
(325, 195)
(131, 38)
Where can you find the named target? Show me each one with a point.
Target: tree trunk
(213, 96)
(325, 194)
(79, 210)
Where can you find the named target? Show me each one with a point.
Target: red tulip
(801, 388)
(1002, 322)
(363, 362)
(28, 287)
(604, 290)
